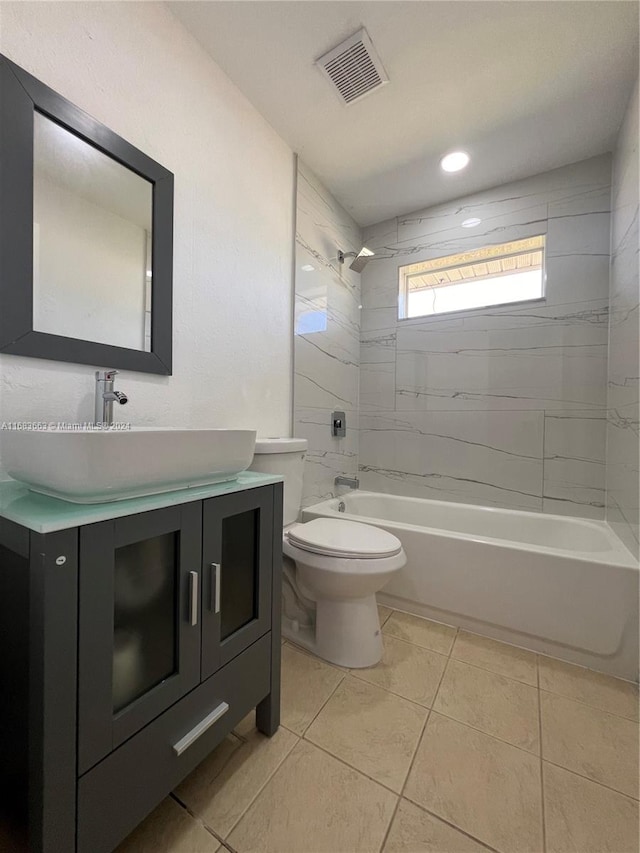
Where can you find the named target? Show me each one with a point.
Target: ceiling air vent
(354, 67)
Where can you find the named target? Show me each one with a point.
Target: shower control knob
(338, 425)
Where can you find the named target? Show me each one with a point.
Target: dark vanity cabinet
(139, 635)
(130, 648)
(236, 604)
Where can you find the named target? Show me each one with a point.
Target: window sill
(470, 312)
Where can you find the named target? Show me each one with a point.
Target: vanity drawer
(119, 792)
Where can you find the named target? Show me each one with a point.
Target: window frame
(403, 285)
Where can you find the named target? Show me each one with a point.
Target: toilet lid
(341, 538)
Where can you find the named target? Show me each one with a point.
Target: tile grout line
(344, 672)
(525, 649)
(548, 657)
(375, 686)
(389, 614)
(424, 728)
(444, 672)
(593, 781)
(543, 460)
(493, 672)
(313, 655)
(415, 752)
(222, 839)
(454, 628)
(537, 655)
(208, 829)
(587, 705)
(542, 809)
(355, 672)
(322, 707)
(346, 764)
(386, 689)
(199, 820)
(357, 769)
(259, 791)
(485, 733)
(410, 768)
(449, 654)
(429, 711)
(452, 825)
(417, 645)
(468, 725)
(388, 829)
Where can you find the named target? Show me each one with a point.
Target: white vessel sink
(91, 466)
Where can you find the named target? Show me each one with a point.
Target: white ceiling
(522, 86)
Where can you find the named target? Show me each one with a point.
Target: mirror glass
(91, 242)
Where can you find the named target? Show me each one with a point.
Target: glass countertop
(45, 515)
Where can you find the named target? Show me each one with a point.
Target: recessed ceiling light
(307, 268)
(471, 223)
(454, 161)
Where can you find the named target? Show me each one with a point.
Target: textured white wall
(134, 67)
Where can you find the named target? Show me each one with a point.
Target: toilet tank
(284, 456)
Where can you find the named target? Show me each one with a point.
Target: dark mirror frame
(20, 96)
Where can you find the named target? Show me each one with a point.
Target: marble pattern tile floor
(454, 743)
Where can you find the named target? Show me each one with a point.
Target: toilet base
(347, 632)
(299, 635)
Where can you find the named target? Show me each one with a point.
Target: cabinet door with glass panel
(139, 623)
(237, 556)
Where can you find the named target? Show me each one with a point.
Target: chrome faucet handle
(106, 395)
(105, 375)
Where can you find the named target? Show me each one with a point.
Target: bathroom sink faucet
(351, 482)
(106, 396)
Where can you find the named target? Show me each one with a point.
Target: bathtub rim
(619, 555)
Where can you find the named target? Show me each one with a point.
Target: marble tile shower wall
(500, 406)
(327, 336)
(623, 434)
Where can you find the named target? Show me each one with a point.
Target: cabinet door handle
(214, 603)
(193, 598)
(191, 737)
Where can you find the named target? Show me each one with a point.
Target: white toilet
(334, 570)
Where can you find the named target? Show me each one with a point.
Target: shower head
(360, 259)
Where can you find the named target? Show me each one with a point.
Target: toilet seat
(333, 537)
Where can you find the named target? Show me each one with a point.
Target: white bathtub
(566, 587)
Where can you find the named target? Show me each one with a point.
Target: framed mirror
(86, 236)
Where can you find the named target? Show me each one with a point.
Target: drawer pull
(214, 603)
(191, 737)
(193, 598)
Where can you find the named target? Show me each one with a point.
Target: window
(494, 275)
